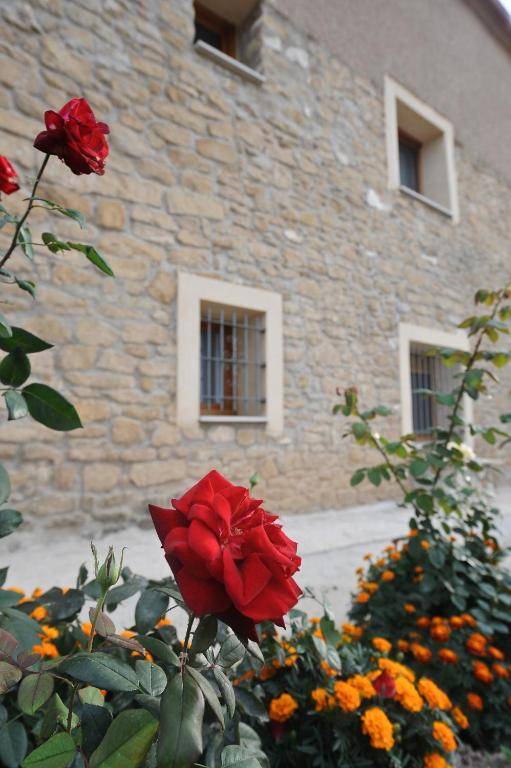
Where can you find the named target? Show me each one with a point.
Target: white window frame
(194, 289)
(395, 92)
(410, 334)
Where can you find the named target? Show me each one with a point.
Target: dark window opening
(214, 30)
(409, 162)
(429, 374)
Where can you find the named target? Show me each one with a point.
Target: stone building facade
(275, 177)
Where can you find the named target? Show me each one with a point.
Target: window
(230, 34)
(420, 150)
(421, 370)
(230, 359)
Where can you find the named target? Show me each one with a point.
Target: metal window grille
(232, 362)
(428, 372)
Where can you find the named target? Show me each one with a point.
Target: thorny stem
(20, 223)
(184, 654)
(94, 620)
(71, 705)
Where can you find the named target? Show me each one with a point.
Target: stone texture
(282, 187)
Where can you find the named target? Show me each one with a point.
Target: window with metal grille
(429, 373)
(232, 362)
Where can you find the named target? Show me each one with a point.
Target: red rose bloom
(230, 558)
(8, 176)
(74, 135)
(385, 685)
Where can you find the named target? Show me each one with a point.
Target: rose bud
(75, 136)
(108, 574)
(385, 685)
(8, 176)
(229, 557)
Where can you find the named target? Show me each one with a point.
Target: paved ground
(332, 545)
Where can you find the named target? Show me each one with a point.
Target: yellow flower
(39, 613)
(163, 623)
(363, 686)
(50, 632)
(378, 727)
(407, 695)
(388, 576)
(47, 649)
(37, 593)
(381, 645)
(291, 654)
(435, 697)
(443, 734)
(282, 708)
(347, 697)
(435, 761)
(460, 717)
(396, 669)
(352, 630)
(87, 628)
(322, 699)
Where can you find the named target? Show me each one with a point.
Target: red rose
(385, 685)
(74, 135)
(229, 557)
(8, 176)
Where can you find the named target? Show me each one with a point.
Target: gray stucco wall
(440, 49)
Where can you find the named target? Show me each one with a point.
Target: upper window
(230, 358)
(421, 372)
(230, 34)
(232, 361)
(420, 150)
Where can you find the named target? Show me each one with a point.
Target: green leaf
(5, 485)
(205, 634)
(26, 285)
(418, 467)
(357, 477)
(374, 475)
(15, 369)
(16, 405)
(235, 756)
(159, 650)
(436, 557)
(57, 752)
(13, 744)
(53, 243)
(56, 713)
(25, 240)
(94, 722)
(250, 704)
(150, 608)
(34, 691)
(208, 693)
(102, 671)
(500, 359)
(227, 690)
(25, 630)
(93, 256)
(181, 716)
(10, 519)
(50, 408)
(232, 650)
(425, 503)
(69, 212)
(126, 741)
(24, 340)
(8, 598)
(91, 695)
(152, 677)
(5, 328)
(9, 676)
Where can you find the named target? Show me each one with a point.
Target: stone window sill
(233, 419)
(426, 200)
(229, 63)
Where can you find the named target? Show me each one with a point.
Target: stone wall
(281, 186)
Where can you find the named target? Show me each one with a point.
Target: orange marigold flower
(482, 672)
(435, 697)
(448, 656)
(423, 622)
(444, 735)
(248, 675)
(50, 633)
(388, 576)
(378, 727)
(322, 699)
(347, 697)
(396, 669)
(410, 608)
(87, 628)
(368, 556)
(359, 571)
(266, 673)
(282, 708)
(37, 593)
(495, 653)
(352, 630)
(476, 644)
(395, 556)
(363, 686)
(47, 649)
(500, 670)
(291, 654)
(412, 533)
(128, 634)
(18, 590)
(421, 653)
(370, 586)
(407, 695)
(39, 613)
(381, 645)
(363, 597)
(403, 645)
(468, 620)
(328, 670)
(474, 701)
(425, 544)
(435, 760)
(418, 569)
(460, 718)
(456, 622)
(163, 623)
(380, 562)
(440, 632)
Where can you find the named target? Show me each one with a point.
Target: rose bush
(230, 558)
(8, 177)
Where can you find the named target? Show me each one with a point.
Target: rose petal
(165, 519)
(202, 596)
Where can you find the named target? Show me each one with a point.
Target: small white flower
(466, 451)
